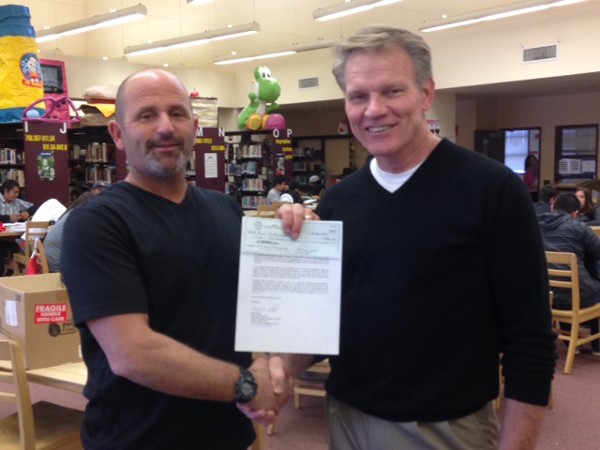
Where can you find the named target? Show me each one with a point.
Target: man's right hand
(265, 406)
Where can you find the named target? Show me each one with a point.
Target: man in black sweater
(443, 272)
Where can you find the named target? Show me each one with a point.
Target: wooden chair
(41, 258)
(33, 231)
(563, 273)
(312, 382)
(42, 426)
(260, 442)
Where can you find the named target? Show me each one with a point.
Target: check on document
(289, 290)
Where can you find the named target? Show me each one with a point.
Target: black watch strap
(246, 387)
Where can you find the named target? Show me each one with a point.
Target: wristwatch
(246, 387)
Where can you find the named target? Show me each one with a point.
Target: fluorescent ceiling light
(199, 2)
(193, 39)
(275, 54)
(522, 8)
(349, 7)
(93, 23)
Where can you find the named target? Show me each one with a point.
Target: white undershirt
(391, 182)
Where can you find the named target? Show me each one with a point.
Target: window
(576, 153)
(518, 144)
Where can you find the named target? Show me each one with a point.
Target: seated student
(12, 209)
(53, 240)
(279, 187)
(546, 199)
(561, 232)
(315, 185)
(587, 211)
(293, 191)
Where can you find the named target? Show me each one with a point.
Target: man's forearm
(521, 425)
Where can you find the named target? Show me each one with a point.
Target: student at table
(279, 187)
(562, 232)
(588, 212)
(12, 209)
(293, 191)
(546, 199)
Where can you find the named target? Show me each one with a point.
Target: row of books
(11, 156)
(253, 184)
(94, 152)
(304, 166)
(237, 151)
(305, 152)
(13, 174)
(245, 168)
(253, 201)
(97, 173)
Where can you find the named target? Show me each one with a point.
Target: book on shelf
(10, 156)
(13, 174)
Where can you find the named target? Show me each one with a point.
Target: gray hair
(378, 38)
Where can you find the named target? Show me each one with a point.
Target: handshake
(274, 377)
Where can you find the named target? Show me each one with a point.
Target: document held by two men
(289, 290)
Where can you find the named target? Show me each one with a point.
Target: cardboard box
(35, 312)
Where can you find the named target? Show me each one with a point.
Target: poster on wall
(45, 165)
(46, 151)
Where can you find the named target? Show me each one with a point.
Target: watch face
(247, 389)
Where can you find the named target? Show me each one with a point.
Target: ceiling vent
(544, 53)
(307, 83)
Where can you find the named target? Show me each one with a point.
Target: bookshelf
(93, 157)
(252, 160)
(309, 159)
(12, 156)
(248, 172)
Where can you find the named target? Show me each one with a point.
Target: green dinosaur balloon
(265, 90)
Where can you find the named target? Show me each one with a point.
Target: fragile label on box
(50, 313)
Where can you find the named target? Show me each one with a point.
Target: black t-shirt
(130, 251)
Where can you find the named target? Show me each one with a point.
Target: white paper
(588, 166)
(15, 227)
(568, 166)
(210, 165)
(289, 290)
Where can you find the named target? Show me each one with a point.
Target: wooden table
(10, 235)
(70, 377)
